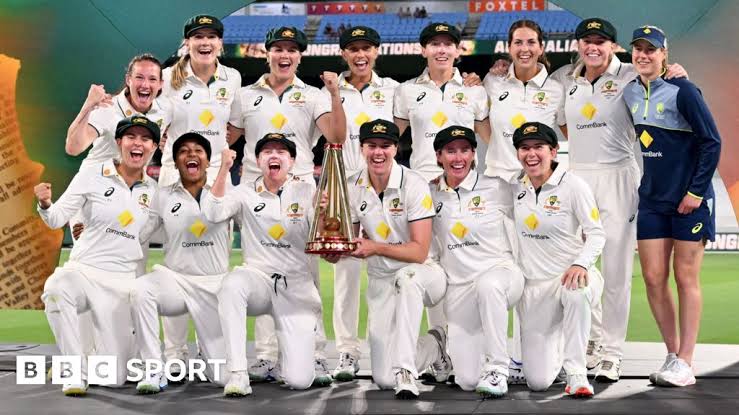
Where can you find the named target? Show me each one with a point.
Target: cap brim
(651, 42)
(595, 32)
(356, 39)
(194, 29)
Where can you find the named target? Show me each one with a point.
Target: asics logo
(420, 97)
(363, 207)
(258, 100)
(521, 195)
(259, 207)
(574, 88)
(109, 191)
(503, 96)
(187, 95)
(176, 207)
(697, 228)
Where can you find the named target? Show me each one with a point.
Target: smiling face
(360, 55)
(283, 58)
(379, 155)
(648, 60)
(192, 161)
(204, 46)
(595, 51)
(456, 158)
(144, 83)
(525, 48)
(536, 157)
(136, 147)
(440, 52)
(275, 162)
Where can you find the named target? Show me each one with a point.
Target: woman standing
(676, 213)
(114, 198)
(280, 102)
(473, 228)
(366, 96)
(551, 206)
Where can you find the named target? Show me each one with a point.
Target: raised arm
(80, 133)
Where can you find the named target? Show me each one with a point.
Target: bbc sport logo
(103, 370)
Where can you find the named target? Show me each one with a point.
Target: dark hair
(530, 24)
(144, 57)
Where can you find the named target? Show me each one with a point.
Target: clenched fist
(227, 158)
(43, 194)
(331, 80)
(97, 97)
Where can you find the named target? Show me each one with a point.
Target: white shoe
(678, 373)
(260, 370)
(238, 385)
(323, 376)
(155, 383)
(653, 376)
(442, 367)
(578, 386)
(347, 368)
(492, 385)
(609, 370)
(515, 373)
(275, 374)
(405, 385)
(75, 389)
(593, 355)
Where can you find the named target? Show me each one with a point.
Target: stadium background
(62, 47)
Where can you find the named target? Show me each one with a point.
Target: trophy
(333, 234)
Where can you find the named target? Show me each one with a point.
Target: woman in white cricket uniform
(551, 206)
(365, 96)
(436, 99)
(114, 198)
(393, 205)
(196, 253)
(201, 90)
(474, 230)
(601, 152)
(280, 102)
(275, 278)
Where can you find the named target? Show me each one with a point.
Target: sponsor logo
(176, 207)
(574, 88)
(697, 228)
(521, 195)
(120, 233)
(634, 108)
(363, 206)
(420, 97)
(278, 245)
(503, 96)
(109, 192)
(535, 236)
(660, 108)
(651, 154)
(464, 244)
(258, 100)
(259, 207)
(187, 95)
(594, 124)
(439, 206)
(199, 244)
(342, 99)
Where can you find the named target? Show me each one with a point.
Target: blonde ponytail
(179, 72)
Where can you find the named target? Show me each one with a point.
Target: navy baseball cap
(452, 133)
(379, 128)
(276, 138)
(651, 34)
(203, 21)
(141, 121)
(534, 131)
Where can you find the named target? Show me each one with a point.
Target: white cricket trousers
(616, 190)
(265, 339)
(478, 323)
(168, 293)
(294, 304)
(395, 308)
(347, 280)
(76, 288)
(552, 318)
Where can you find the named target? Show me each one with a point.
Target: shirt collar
(262, 82)
(539, 79)
(219, 75)
(395, 181)
(468, 183)
(260, 187)
(424, 78)
(375, 81)
(108, 170)
(181, 187)
(127, 109)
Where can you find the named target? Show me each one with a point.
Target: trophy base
(330, 245)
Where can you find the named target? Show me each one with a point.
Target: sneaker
(678, 373)
(561, 376)
(492, 385)
(578, 386)
(405, 385)
(347, 368)
(238, 385)
(609, 370)
(653, 376)
(155, 383)
(75, 389)
(442, 367)
(260, 370)
(593, 355)
(515, 373)
(323, 376)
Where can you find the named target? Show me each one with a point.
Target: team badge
(459, 99)
(541, 100)
(295, 212)
(609, 89)
(377, 98)
(552, 203)
(476, 205)
(222, 96)
(396, 207)
(144, 200)
(297, 99)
